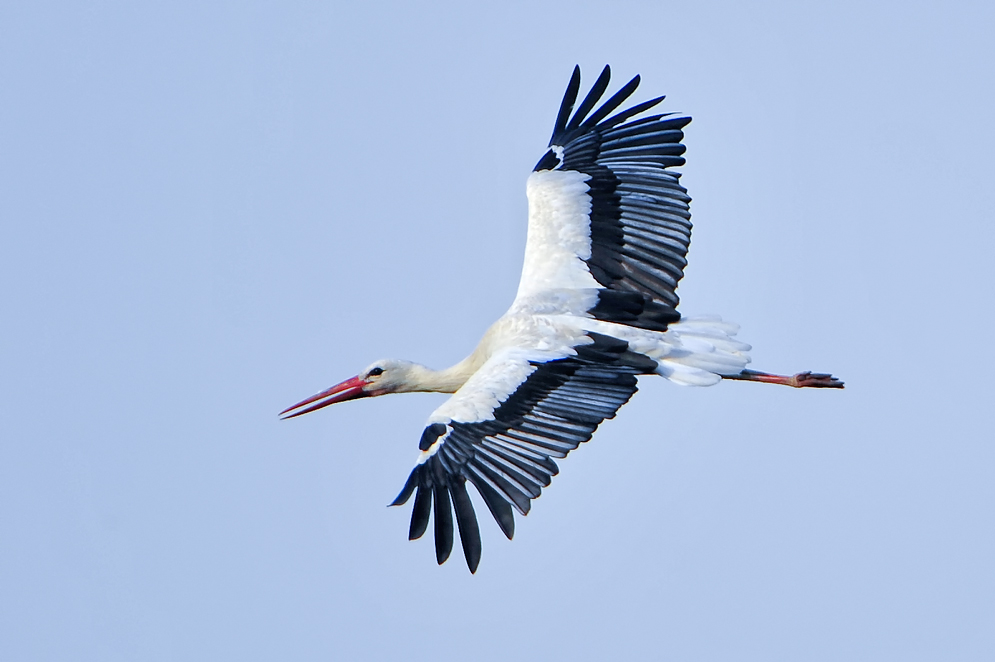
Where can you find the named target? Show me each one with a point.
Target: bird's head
(379, 378)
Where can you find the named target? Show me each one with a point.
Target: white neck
(449, 380)
(416, 377)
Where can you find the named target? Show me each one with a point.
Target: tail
(701, 351)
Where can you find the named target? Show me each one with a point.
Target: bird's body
(609, 228)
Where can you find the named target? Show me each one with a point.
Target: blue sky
(211, 211)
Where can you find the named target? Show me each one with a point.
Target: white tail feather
(705, 350)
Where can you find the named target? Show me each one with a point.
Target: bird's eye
(374, 372)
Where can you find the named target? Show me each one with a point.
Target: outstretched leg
(806, 379)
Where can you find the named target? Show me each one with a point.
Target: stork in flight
(609, 229)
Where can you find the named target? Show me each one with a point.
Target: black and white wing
(609, 229)
(606, 213)
(502, 430)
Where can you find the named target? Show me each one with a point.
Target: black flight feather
(420, 513)
(614, 102)
(593, 95)
(632, 112)
(567, 105)
(469, 532)
(443, 524)
(408, 488)
(500, 509)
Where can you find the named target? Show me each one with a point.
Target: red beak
(350, 389)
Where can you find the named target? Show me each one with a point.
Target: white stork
(609, 229)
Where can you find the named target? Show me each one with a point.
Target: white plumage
(559, 238)
(609, 227)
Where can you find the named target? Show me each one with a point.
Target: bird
(609, 226)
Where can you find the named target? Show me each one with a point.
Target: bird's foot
(807, 379)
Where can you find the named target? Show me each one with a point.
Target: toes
(809, 379)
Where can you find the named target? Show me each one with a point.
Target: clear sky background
(211, 212)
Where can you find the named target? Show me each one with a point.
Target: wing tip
(568, 121)
(567, 104)
(443, 524)
(469, 530)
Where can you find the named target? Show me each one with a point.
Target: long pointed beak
(350, 389)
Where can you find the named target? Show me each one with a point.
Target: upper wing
(501, 430)
(604, 210)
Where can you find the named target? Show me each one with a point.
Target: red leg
(807, 379)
